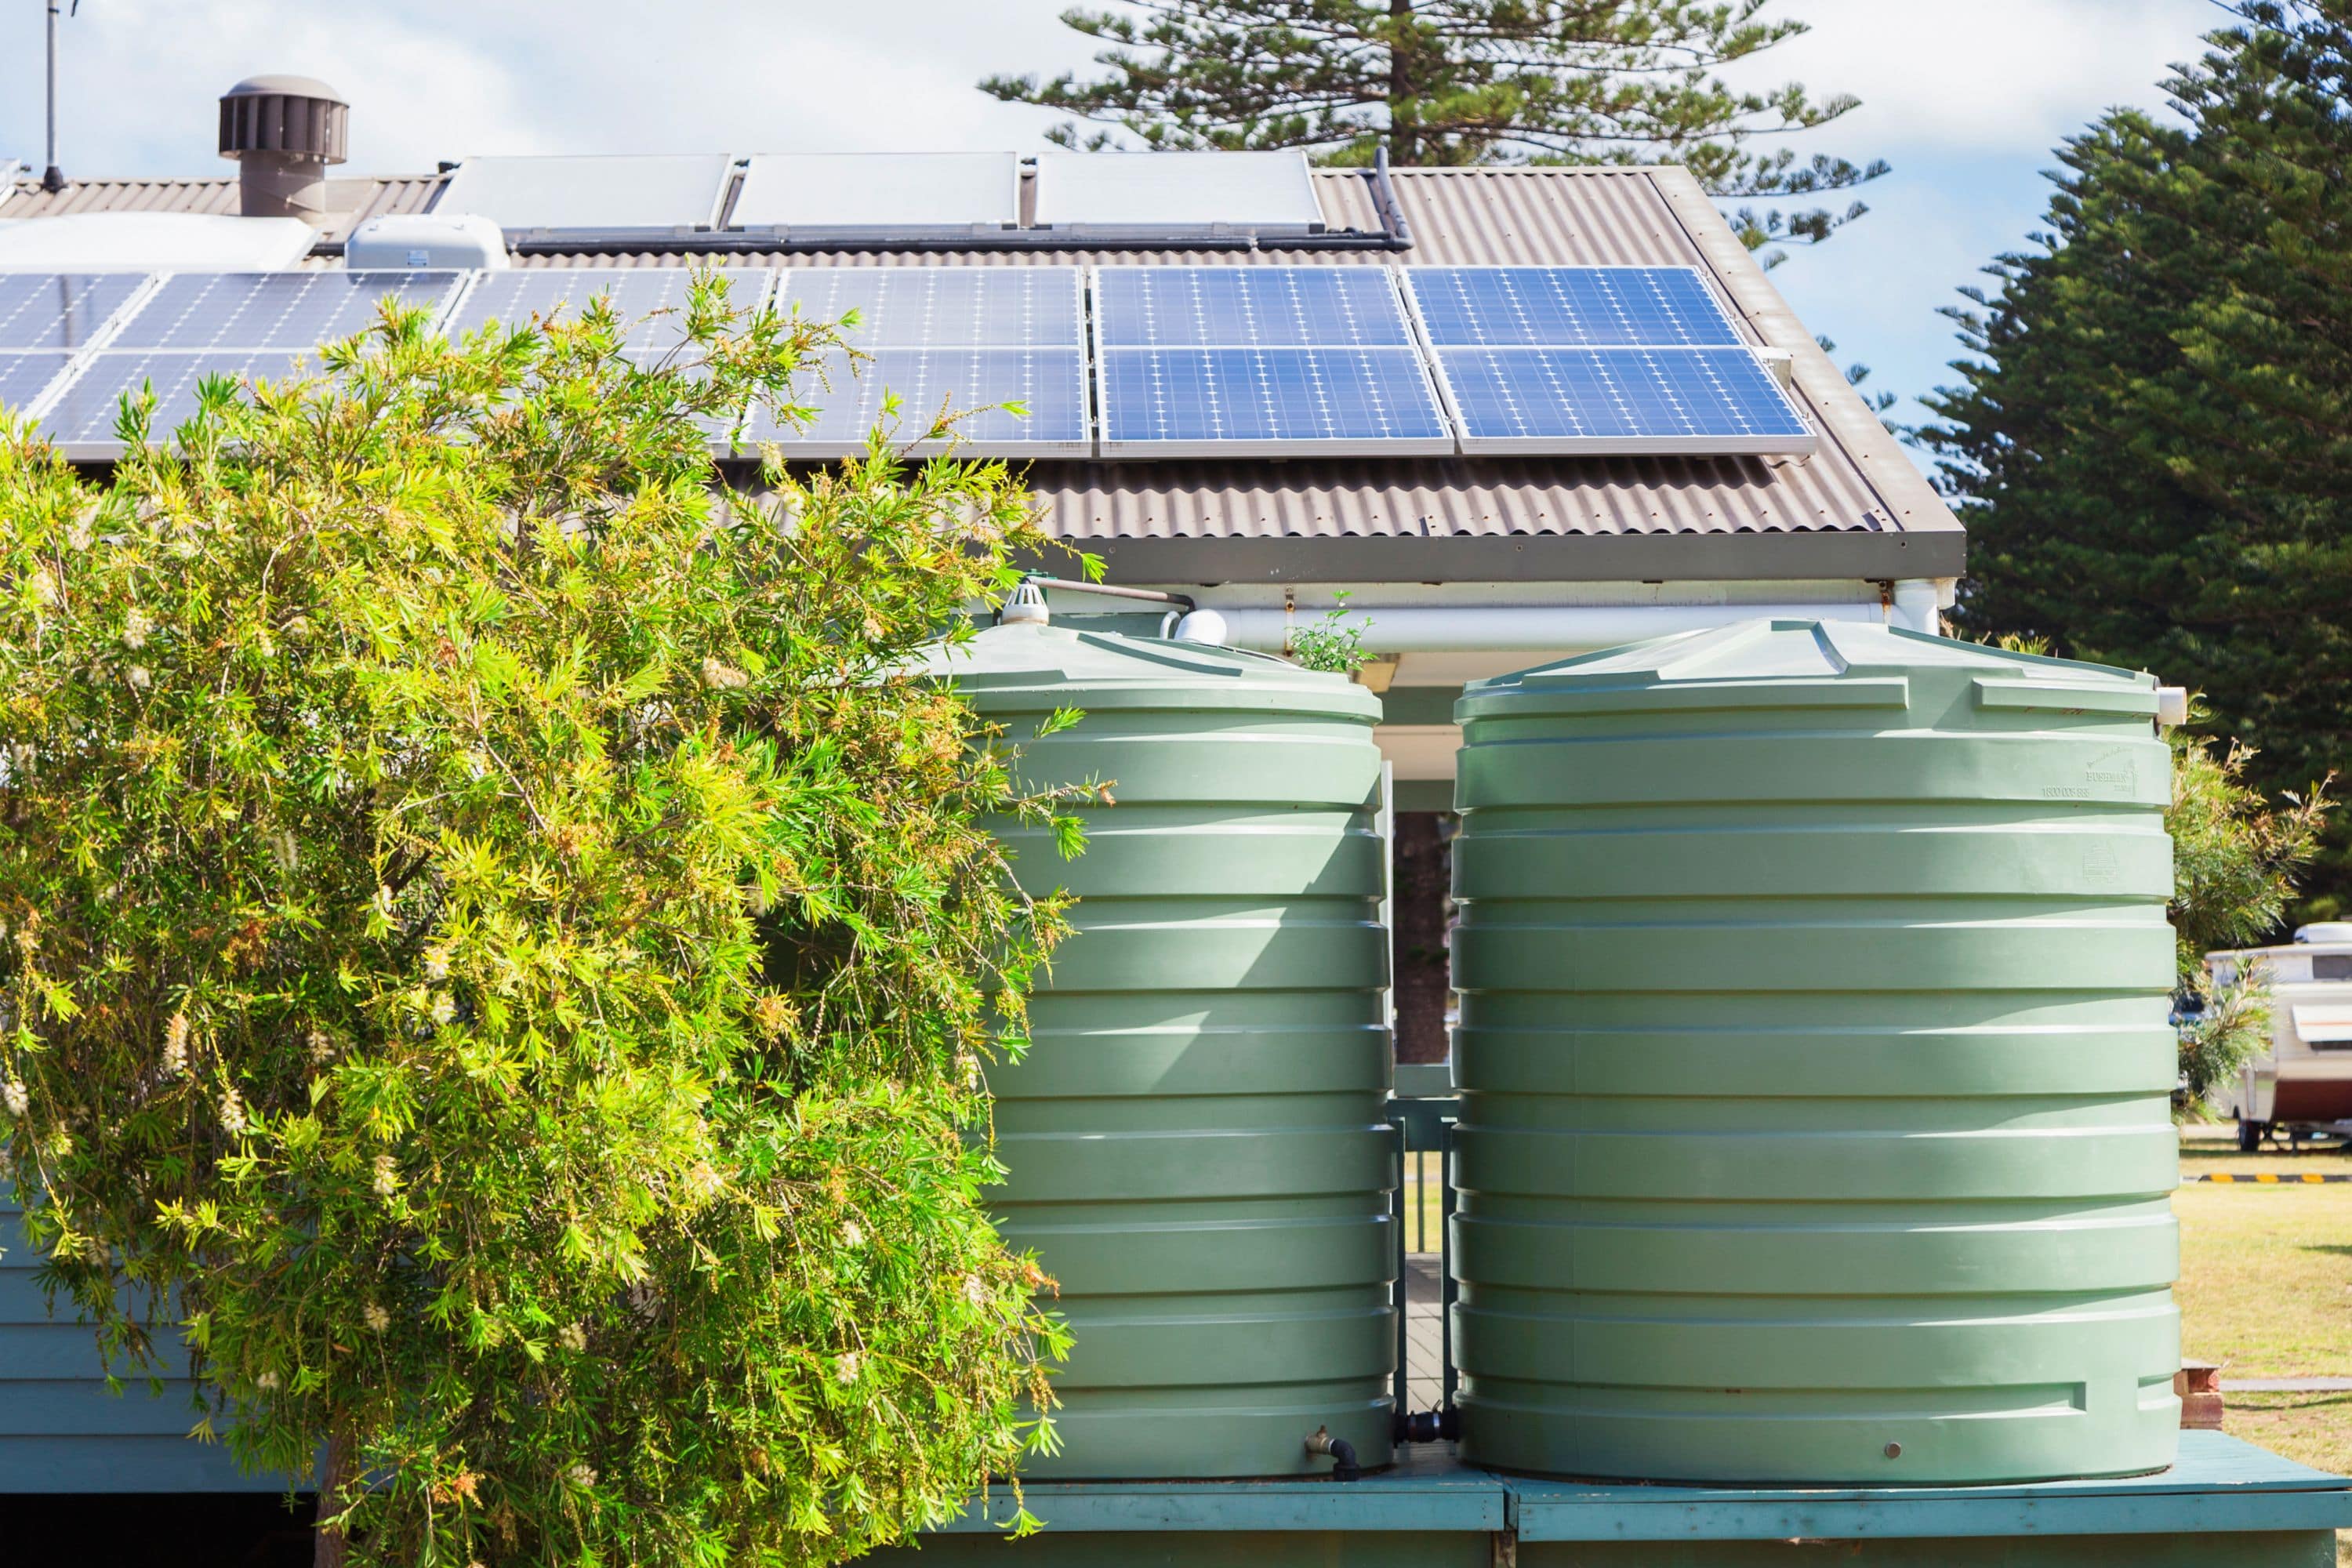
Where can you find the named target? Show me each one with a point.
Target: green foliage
(2235, 861)
(1461, 81)
(2150, 447)
(496, 953)
(1334, 643)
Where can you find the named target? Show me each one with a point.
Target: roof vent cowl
(284, 130)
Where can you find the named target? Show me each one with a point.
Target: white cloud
(1967, 76)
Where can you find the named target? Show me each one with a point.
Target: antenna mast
(52, 178)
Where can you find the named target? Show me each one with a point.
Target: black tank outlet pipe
(1344, 1466)
(1429, 1426)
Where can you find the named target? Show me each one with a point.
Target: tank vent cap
(1026, 607)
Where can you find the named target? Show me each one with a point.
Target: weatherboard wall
(62, 1430)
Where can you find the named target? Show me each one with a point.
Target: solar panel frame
(92, 302)
(1791, 436)
(1647, 322)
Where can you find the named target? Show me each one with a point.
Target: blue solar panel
(81, 419)
(1248, 307)
(60, 310)
(1703, 400)
(1051, 383)
(1259, 402)
(26, 374)
(295, 310)
(943, 307)
(652, 300)
(1567, 306)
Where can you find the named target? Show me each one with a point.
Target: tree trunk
(329, 1547)
(1423, 982)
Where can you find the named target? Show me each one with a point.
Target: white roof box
(435, 240)
(153, 242)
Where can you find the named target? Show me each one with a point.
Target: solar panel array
(651, 301)
(46, 318)
(1598, 360)
(943, 339)
(1233, 360)
(245, 326)
(1217, 360)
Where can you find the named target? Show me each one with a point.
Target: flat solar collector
(252, 325)
(1567, 306)
(1570, 359)
(294, 311)
(1701, 401)
(1260, 361)
(944, 307)
(1269, 403)
(26, 374)
(60, 310)
(652, 301)
(955, 339)
(81, 418)
(1249, 306)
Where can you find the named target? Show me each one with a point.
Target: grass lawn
(2266, 1291)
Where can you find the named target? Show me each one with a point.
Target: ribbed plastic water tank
(1195, 1143)
(1815, 1066)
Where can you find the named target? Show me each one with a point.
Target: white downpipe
(1918, 605)
(1530, 628)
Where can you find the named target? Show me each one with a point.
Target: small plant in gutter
(1333, 643)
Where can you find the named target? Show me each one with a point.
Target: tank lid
(1124, 672)
(1822, 654)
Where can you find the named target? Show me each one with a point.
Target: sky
(1965, 99)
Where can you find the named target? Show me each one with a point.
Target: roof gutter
(1539, 629)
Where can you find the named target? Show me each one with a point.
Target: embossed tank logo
(2110, 773)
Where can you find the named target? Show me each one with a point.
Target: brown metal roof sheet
(348, 200)
(1858, 507)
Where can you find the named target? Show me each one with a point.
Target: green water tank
(1195, 1143)
(1815, 1066)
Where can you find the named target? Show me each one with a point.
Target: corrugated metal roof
(1858, 508)
(349, 200)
